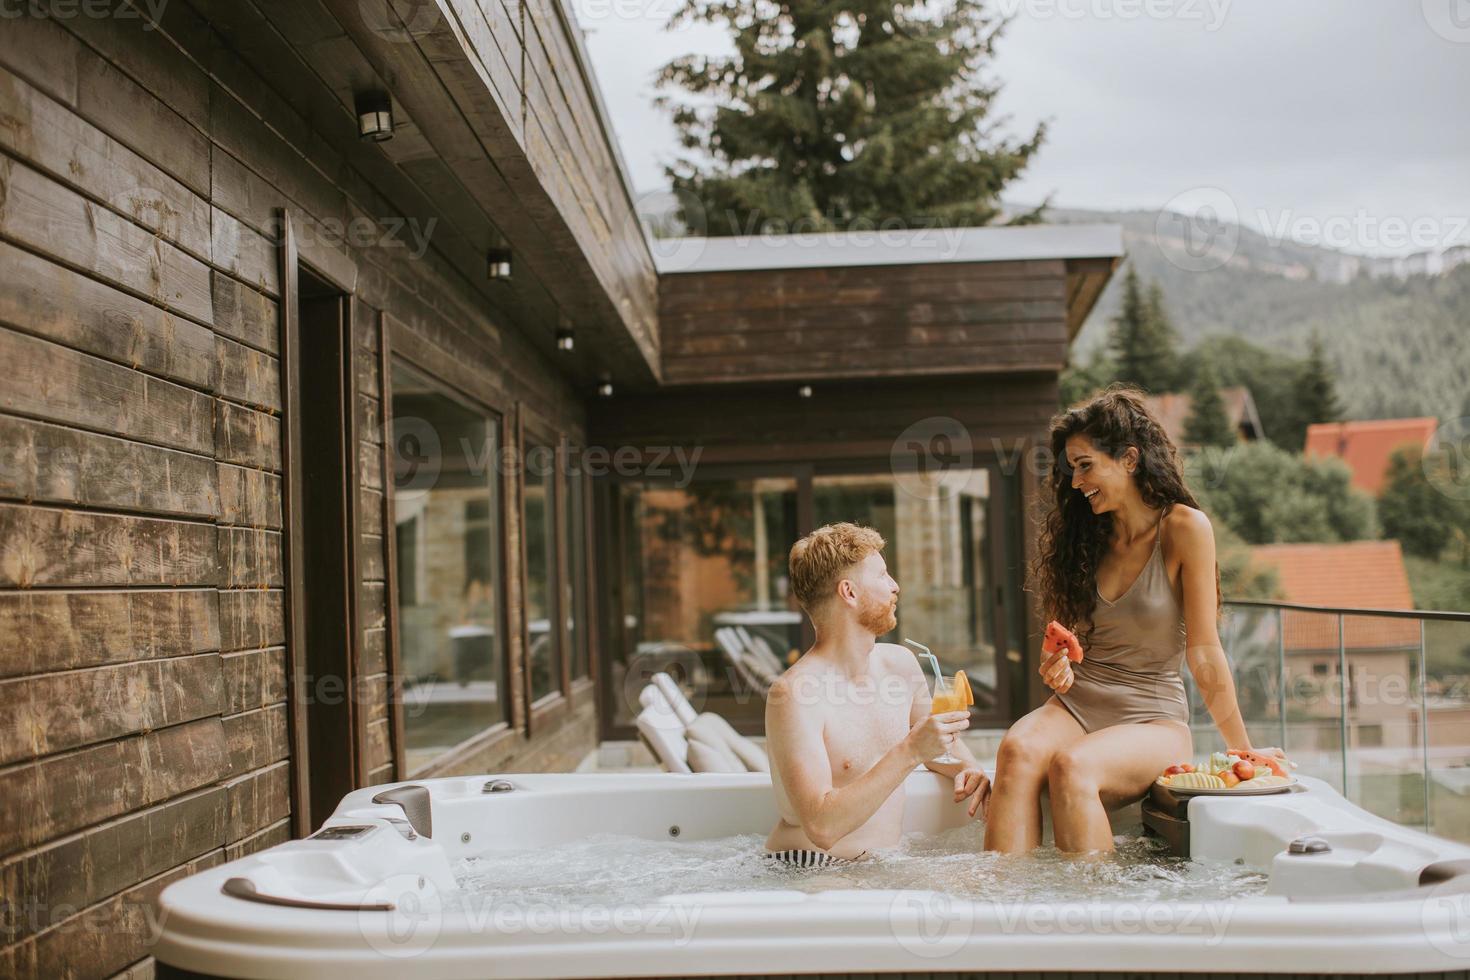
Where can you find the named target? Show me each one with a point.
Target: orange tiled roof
(1172, 410)
(1366, 446)
(1362, 574)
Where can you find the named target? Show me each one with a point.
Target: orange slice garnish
(962, 685)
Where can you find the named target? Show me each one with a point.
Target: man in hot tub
(850, 720)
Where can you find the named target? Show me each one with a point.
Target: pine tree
(1208, 425)
(864, 114)
(1316, 389)
(1143, 340)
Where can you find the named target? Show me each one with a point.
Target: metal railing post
(1342, 707)
(1281, 676)
(1424, 720)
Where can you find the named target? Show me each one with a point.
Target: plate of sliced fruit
(1232, 773)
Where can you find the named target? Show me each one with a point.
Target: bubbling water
(617, 870)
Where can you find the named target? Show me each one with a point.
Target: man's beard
(877, 618)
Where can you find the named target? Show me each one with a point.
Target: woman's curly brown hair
(1074, 540)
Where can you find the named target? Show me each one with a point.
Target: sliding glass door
(700, 577)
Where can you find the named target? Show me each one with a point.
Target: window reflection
(539, 508)
(447, 537)
(937, 550)
(696, 563)
(575, 591)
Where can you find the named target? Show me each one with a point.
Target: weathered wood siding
(864, 321)
(143, 723)
(843, 420)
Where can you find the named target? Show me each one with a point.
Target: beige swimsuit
(1130, 673)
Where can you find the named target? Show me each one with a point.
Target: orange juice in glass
(948, 695)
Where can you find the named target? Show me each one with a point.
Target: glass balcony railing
(1374, 701)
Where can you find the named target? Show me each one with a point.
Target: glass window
(541, 570)
(576, 578)
(704, 578)
(938, 552)
(447, 534)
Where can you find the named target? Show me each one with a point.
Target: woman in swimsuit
(1127, 559)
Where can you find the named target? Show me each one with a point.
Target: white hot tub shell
(372, 895)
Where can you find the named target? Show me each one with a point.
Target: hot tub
(373, 894)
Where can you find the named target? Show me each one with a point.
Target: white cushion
(705, 757)
(665, 737)
(711, 728)
(652, 697)
(766, 656)
(669, 688)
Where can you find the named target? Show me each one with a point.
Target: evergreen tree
(828, 116)
(1316, 393)
(1208, 425)
(1267, 494)
(1423, 518)
(1142, 341)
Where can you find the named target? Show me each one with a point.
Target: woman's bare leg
(1108, 768)
(1014, 821)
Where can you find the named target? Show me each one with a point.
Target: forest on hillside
(1397, 348)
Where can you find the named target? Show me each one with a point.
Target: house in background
(1367, 446)
(1174, 408)
(1389, 735)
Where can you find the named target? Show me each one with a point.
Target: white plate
(1239, 790)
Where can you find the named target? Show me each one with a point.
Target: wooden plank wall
(843, 420)
(863, 321)
(142, 670)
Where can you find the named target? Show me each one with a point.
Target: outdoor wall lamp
(374, 116)
(605, 389)
(498, 262)
(805, 391)
(566, 337)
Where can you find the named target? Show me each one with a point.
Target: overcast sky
(1337, 122)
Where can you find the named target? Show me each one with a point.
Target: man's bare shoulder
(897, 658)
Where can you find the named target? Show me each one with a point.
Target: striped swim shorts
(797, 857)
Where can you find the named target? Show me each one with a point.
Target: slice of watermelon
(1058, 639)
(1261, 760)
